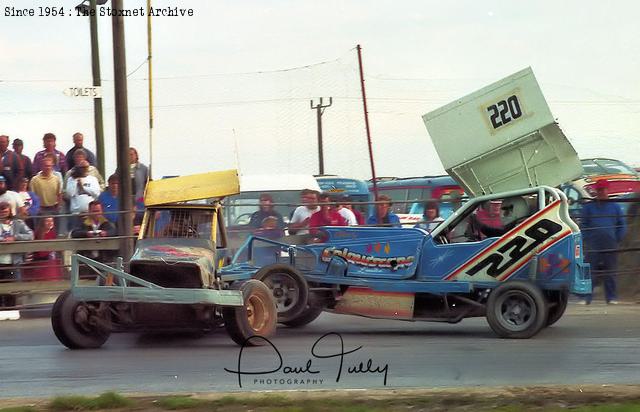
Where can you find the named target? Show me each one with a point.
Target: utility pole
(150, 75)
(97, 102)
(366, 123)
(319, 108)
(125, 220)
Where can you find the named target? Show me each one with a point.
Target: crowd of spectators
(57, 195)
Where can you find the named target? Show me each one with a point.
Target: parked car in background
(604, 166)
(623, 181)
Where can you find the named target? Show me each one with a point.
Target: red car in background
(624, 182)
(622, 178)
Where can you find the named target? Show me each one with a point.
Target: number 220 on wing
(504, 111)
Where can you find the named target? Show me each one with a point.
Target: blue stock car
(518, 271)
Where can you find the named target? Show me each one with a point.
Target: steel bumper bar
(164, 295)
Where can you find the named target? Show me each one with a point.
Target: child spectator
(30, 200)
(46, 230)
(45, 265)
(431, 217)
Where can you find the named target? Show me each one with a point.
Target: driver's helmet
(513, 209)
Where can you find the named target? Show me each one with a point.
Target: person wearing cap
(49, 143)
(78, 140)
(8, 163)
(603, 228)
(11, 230)
(11, 197)
(265, 211)
(25, 169)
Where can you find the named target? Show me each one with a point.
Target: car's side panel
(379, 253)
(438, 260)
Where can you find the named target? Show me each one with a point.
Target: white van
(284, 189)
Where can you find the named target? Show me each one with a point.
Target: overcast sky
(233, 83)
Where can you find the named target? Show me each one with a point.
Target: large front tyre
(517, 310)
(289, 288)
(74, 323)
(257, 317)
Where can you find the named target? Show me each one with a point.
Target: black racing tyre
(290, 290)
(257, 317)
(517, 310)
(558, 301)
(308, 315)
(70, 322)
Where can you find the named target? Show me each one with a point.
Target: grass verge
(108, 400)
(554, 399)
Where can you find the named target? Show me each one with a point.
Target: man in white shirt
(299, 223)
(15, 200)
(81, 188)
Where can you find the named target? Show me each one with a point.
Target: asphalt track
(596, 344)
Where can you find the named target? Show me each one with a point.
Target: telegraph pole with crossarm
(319, 108)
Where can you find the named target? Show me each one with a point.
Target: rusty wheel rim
(257, 313)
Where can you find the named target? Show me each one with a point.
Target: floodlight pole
(319, 108)
(125, 220)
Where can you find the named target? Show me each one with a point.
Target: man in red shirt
(326, 216)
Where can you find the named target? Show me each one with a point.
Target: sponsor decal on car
(393, 262)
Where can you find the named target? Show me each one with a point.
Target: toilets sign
(90, 91)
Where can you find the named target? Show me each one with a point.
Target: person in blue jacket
(603, 227)
(383, 215)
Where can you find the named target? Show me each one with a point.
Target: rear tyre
(257, 317)
(289, 289)
(308, 315)
(74, 323)
(558, 301)
(517, 310)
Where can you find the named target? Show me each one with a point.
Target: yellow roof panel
(192, 187)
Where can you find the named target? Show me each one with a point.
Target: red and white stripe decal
(551, 208)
